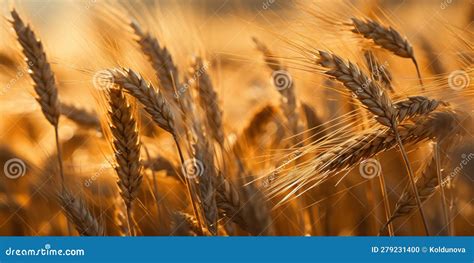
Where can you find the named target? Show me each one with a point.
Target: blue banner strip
(237, 249)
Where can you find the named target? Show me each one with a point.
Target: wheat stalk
(126, 145)
(427, 183)
(386, 37)
(78, 213)
(439, 171)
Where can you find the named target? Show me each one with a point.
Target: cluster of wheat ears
(223, 194)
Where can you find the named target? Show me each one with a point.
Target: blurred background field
(84, 37)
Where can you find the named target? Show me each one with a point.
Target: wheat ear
(374, 98)
(232, 205)
(126, 145)
(151, 99)
(158, 109)
(346, 155)
(43, 78)
(40, 69)
(229, 200)
(78, 213)
(208, 100)
(283, 82)
(160, 58)
(386, 37)
(204, 157)
(369, 144)
(415, 106)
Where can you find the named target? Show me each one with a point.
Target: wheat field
(236, 118)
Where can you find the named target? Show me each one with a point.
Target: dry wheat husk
(40, 69)
(151, 99)
(126, 145)
(78, 213)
